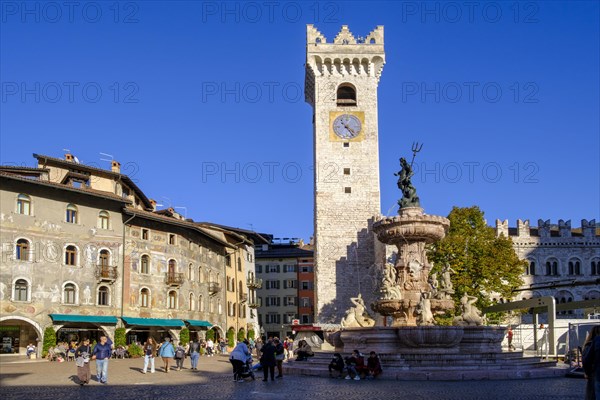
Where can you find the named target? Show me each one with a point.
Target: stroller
(247, 370)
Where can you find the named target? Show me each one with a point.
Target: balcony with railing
(106, 273)
(214, 288)
(243, 297)
(174, 278)
(254, 283)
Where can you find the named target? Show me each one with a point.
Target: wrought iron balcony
(174, 278)
(107, 273)
(243, 297)
(254, 283)
(214, 288)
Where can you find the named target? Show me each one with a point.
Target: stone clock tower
(341, 85)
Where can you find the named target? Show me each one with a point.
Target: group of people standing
(272, 352)
(168, 352)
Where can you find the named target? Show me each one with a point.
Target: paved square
(214, 380)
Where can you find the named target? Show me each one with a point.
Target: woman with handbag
(82, 360)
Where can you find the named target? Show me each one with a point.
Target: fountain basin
(420, 339)
(411, 225)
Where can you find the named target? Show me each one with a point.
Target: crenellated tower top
(347, 55)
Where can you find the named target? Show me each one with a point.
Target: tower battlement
(346, 56)
(546, 229)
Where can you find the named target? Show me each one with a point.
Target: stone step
(456, 373)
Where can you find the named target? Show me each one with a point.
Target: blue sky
(201, 102)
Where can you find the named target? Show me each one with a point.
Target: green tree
(120, 337)
(184, 336)
(210, 334)
(483, 263)
(231, 337)
(49, 340)
(251, 334)
(241, 335)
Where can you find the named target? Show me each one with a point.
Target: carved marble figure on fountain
(446, 283)
(433, 283)
(471, 316)
(357, 316)
(425, 316)
(389, 289)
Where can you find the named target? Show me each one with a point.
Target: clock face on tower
(346, 126)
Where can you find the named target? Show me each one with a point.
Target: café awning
(93, 319)
(152, 322)
(197, 323)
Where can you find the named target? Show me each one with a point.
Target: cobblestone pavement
(44, 380)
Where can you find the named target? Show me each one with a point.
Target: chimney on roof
(115, 166)
(153, 202)
(69, 157)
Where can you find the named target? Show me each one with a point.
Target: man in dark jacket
(101, 353)
(267, 360)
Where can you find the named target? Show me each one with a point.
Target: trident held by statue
(416, 147)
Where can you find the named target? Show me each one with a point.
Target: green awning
(94, 319)
(198, 323)
(152, 322)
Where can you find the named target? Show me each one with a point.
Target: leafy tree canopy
(483, 263)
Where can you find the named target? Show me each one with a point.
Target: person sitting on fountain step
(355, 365)
(337, 365)
(373, 365)
(303, 351)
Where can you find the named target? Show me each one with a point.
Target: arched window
(191, 272)
(23, 204)
(240, 288)
(71, 214)
(103, 220)
(172, 300)
(71, 255)
(210, 276)
(69, 293)
(104, 258)
(552, 267)
(530, 269)
(23, 250)
(172, 267)
(239, 264)
(595, 267)
(200, 274)
(346, 95)
(219, 306)
(144, 298)
(21, 290)
(103, 296)
(145, 264)
(574, 267)
(200, 303)
(192, 303)
(242, 311)
(211, 305)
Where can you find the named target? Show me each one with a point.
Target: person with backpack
(179, 356)
(167, 352)
(194, 353)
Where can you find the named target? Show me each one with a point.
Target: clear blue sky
(504, 96)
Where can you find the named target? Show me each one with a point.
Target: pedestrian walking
(82, 360)
(591, 364)
(179, 356)
(194, 353)
(102, 353)
(509, 337)
(267, 360)
(149, 354)
(166, 352)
